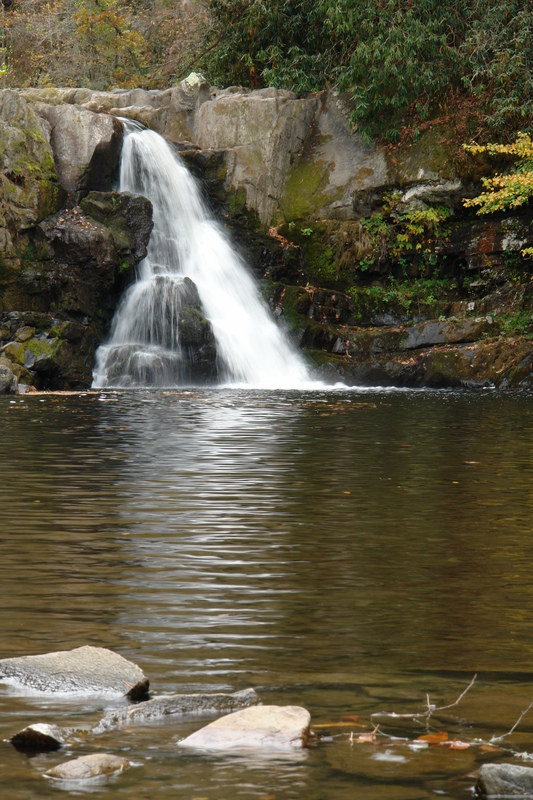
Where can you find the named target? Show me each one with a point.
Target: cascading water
(190, 271)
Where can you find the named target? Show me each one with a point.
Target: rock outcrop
(86, 147)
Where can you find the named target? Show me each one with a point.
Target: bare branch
(431, 709)
(517, 723)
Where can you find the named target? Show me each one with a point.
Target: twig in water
(431, 709)
(517, 723)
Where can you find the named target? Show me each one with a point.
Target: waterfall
(194, 313)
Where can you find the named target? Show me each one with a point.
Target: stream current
(350, 552)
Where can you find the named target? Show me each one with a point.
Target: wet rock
(87, 767)
(39, 738)
(127, 215)
(177, 705)
(505, 780)
(448, 332)
(24, 333)
(266, 727)
(86, 670)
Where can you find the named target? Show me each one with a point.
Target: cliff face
(367, 252)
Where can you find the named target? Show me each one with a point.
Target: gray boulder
(264, 727)
(39, 738)
(87, 767)
(177, 705)
(436, 332)
(262, 133)
(86, 670)
(86, 147)
(7, 379)
(505, 780)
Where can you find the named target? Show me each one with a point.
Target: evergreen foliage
(395, 57)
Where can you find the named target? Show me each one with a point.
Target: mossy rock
(29, 191)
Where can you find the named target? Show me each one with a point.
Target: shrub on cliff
(395, 57)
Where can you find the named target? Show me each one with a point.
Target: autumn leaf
(434, 738)
(455, 745)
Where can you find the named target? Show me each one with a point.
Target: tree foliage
(101, 44)
(393, 56)
(509, 190)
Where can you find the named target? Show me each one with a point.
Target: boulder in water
(265, 727)
(177, 706)
(505, 780)
(85, 670)
(87, 767)
(38, 738)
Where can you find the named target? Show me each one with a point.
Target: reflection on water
(348, 552)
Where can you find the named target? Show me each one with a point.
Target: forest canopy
(397, 60)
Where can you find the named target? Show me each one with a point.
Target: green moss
(305, 190)
(291, 298)
(39, 347)
(58, 330)
(237, 201)
(317, 358)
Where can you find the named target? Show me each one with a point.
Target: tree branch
(431, 709)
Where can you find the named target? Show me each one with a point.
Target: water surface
(349, 552)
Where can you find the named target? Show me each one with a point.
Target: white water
(144, 348)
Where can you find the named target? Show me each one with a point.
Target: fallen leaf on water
(353, 717)
(489, 748)
(434, 738)
(456, 745)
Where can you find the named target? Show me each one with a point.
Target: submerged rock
(87, 767)
(39, 738)
(86, 670)
(267, 727)
(505, 780)
(177, 705)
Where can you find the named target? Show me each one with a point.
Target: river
(351, 552)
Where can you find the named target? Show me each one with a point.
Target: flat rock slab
(505, 780)
(85, 670)
(177, 705)
(87, 767)
(263, 727)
